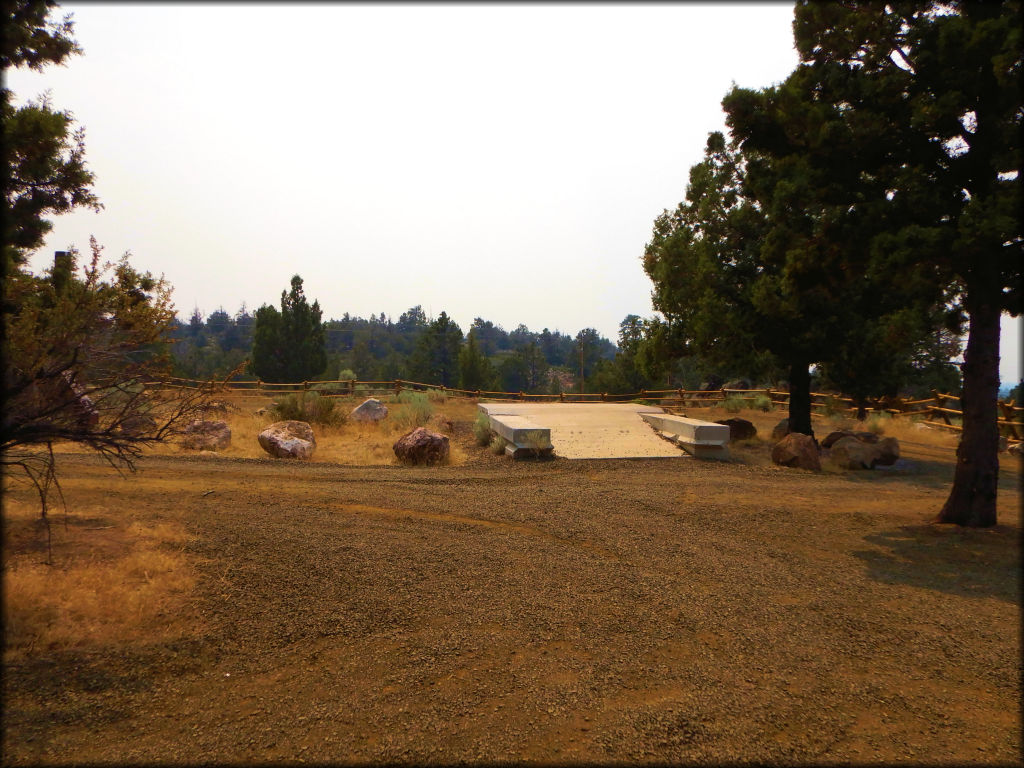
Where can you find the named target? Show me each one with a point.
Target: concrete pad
(588, 430)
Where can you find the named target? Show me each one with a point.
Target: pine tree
(288, 345)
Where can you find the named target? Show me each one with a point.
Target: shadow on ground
(960, 561)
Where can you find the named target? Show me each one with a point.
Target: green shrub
(416, 410)
(436, 396)
(482, 429)
(498, 444)
(330, 388)
(762, 403)
(733, 404)
(309, 407)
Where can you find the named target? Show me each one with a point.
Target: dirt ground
(597, 611)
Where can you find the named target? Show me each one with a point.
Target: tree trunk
(862, 407)
(800, 398)
(972, 501)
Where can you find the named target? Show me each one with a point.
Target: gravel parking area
(597, 611)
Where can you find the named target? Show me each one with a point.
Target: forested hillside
(381, 348)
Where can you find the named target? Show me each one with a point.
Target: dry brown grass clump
(113, 581)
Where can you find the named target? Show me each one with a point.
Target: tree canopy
(861, 210)
(44, 152)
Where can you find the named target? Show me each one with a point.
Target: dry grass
(114, 580)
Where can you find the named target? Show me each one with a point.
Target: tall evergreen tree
(944, 82)
(288, 345)
(475, 370)
(435, 359)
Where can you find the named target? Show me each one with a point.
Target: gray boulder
(851, 453)
(204, 435)
(370, 410)
(288, 440)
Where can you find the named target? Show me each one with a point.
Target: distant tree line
(646, 355)
(293, 343)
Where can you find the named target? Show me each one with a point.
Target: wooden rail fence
(937, 411)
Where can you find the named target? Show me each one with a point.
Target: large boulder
(421, 446)
(851, 453)
(1015, 449)
(781, 430)
(204, 435)
(288, 440)
(713, 383)
(136, 424)
(371, 409)
(797, 450)
(834, 437)
(866, 437)
(739, 429)
(888, 451)
(737, 384)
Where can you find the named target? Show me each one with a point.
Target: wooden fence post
(1007, 409)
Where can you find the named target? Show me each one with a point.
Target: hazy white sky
(501, 161)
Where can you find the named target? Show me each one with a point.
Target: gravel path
(597, 611)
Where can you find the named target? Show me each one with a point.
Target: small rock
(797, 450)
(370, 409)
(421, 446)
(443, 423)
(203, 435)
(288, 440)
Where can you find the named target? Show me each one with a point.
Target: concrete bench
(523, 436)
(701, 439)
